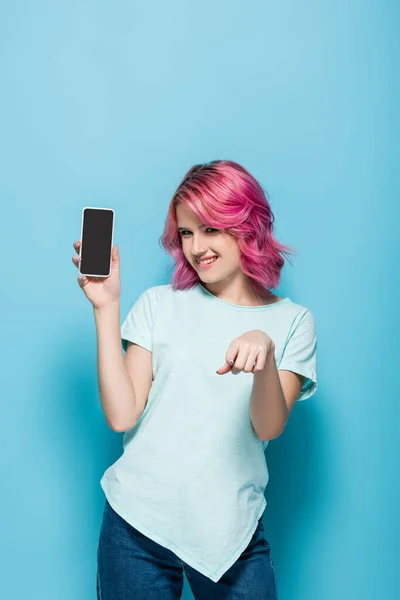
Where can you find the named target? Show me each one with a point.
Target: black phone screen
(96, 241)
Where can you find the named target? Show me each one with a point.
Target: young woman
(213, 366)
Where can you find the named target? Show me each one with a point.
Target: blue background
(108, 104)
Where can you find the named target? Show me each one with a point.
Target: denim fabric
(131, 566)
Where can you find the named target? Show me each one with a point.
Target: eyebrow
(184, 228)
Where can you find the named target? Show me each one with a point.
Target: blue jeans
(131, 566)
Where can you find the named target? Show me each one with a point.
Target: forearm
(116, 390)
(268, 408)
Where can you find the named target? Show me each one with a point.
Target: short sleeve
(300, 354)
(138, 325)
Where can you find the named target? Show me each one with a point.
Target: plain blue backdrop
(109, 104)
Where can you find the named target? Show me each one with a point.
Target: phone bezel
(81, 239)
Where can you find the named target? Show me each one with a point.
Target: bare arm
(268, 409)
(117, 394)
(124, 382)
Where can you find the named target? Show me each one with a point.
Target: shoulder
(156, 293)
(300, 315)
(298, 309)
(164, 291)
(161, 295)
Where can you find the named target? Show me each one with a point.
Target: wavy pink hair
(224, 195)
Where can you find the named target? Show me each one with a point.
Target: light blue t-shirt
(193, 471)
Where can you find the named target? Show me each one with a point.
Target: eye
(185, 231)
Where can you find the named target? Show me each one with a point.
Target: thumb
(115, 255)
(224, 369)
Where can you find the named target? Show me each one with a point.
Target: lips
(205, 266)
(207, 258)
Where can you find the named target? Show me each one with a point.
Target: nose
(199, 247)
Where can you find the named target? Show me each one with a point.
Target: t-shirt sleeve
(139, 322)
(300, 354)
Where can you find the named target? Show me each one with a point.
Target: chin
(210, 278)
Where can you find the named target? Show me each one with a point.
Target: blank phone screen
(97, 234)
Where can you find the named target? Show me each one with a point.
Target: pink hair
(225, 196)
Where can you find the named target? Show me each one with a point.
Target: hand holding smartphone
(98, 260)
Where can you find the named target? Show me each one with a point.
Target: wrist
(110, 307)
(269, 360)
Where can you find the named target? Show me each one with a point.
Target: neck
(241, 295)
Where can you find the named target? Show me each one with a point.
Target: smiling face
(201, 241)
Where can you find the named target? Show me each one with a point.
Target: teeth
(207, 262)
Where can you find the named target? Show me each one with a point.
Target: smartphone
(97, 233)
